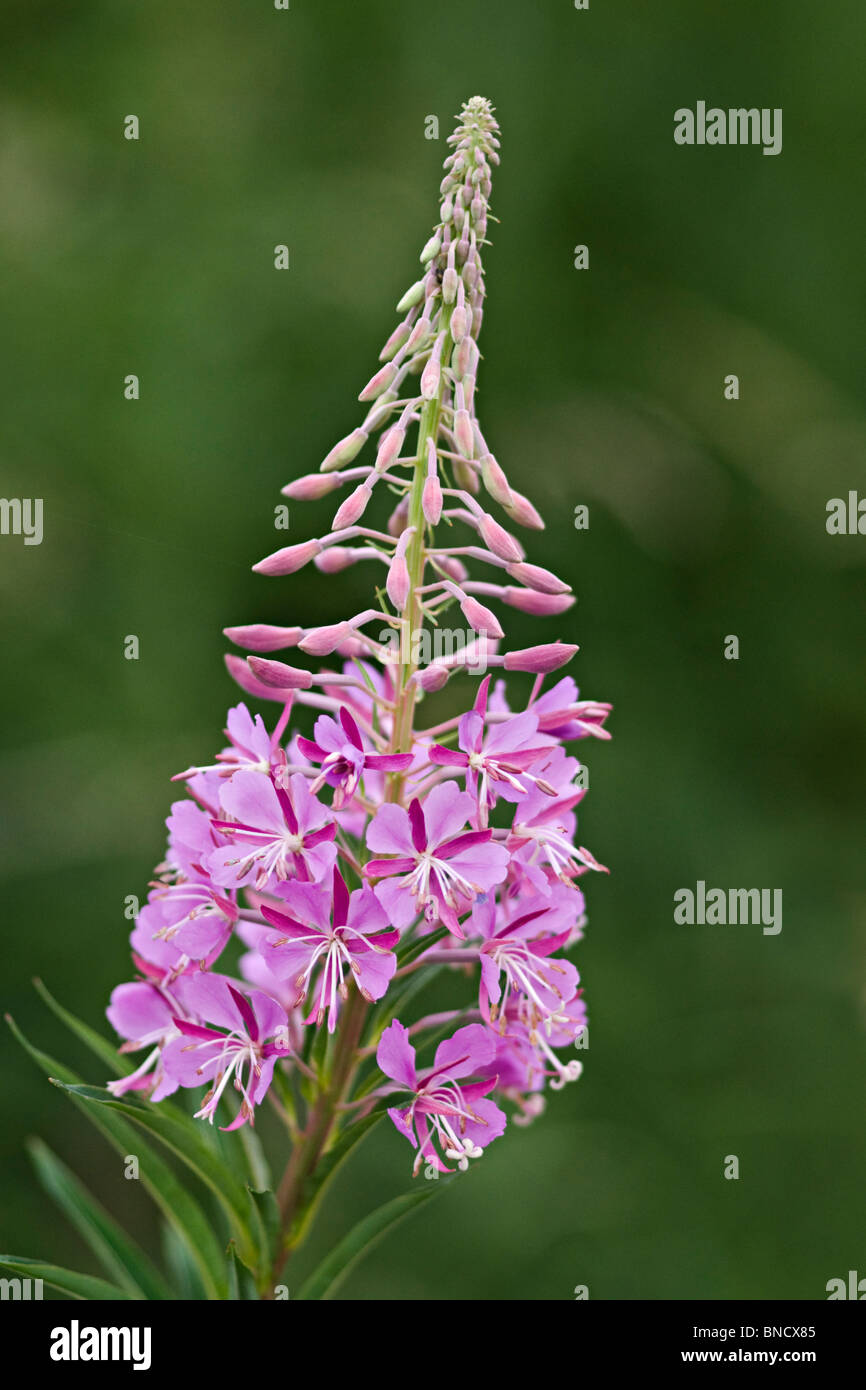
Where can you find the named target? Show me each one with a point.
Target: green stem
(416, 558)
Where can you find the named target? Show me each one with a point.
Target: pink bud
(548, 657)
(398, 518)
(278, 676)
(431, 496)
(289, 559)
(497, 539)
(521, 510)
(540, 605)
(344, 452)
(397, 583)
(311, 487)
(321, 641)
(432, 373)
(240, 672)
(536, 577)
(378, 383)
(454, 568)
(419, 334)
(389, 447)
(495, 481)
(449, 285)
(395, 342)
(352, 509)
(463, 433)
(335, 558)
(432, 677)
(262, 637)
(479, 617)
(464, 475)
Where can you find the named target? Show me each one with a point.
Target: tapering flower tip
(459, 317)
(420, 333)
(311, 487)
(389, 447)
(539, 605)
(479, 618)
(321, 641)
(432, 373)
(241, 673)
(398, 582)
(454, 568)
(344, 452)
(353, 508)
(432, 677)
(521, 510)
(289, 559)
(396, 341)
(398, 518)
(431, 495)
(536, 577)
(497, 539)
(539, 660)
(378, 383)
(431, 248)
(413, 296)
(495, 480)
(263, 637)
(336, 558)
(278, 676)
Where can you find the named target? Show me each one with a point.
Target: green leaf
(178, 1205)
(68, 1281)
(123, 1259)
(324, 1281)
(417, 948)
(99, 1046)
(267, 1218)
(180, 1134)
(241, 1283)
(181, 1266)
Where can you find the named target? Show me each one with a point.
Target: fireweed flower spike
(336, 854)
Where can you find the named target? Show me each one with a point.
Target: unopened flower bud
(432, 677)
(277, 675)
(321, 641)
(497, 539)
(378, 383)
(396, 341)
(431, 249)
(263, 637)
(289, 559)
(495, 480)
(335, 559)
(413, 296)
(539, 660)
(536, 577)
(432, 373)
(389, 447)
(539, 604)
(521, 510)
(431, 496)
(398, 582)
(353, 508)
(344, 452)
(311, 487)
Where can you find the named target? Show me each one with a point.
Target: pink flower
(235, 1050)
(493, 760)
(343, 757)
(277, 833)
(444, 1107)
(341, 933)
(438, 870)
(143, 1012)
(521, 953)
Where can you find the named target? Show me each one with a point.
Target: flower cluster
(351, 864)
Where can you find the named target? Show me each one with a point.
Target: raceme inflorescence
(376, 851)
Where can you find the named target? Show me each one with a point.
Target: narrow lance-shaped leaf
(122, 1258)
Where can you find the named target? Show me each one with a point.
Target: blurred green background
(602, 387)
